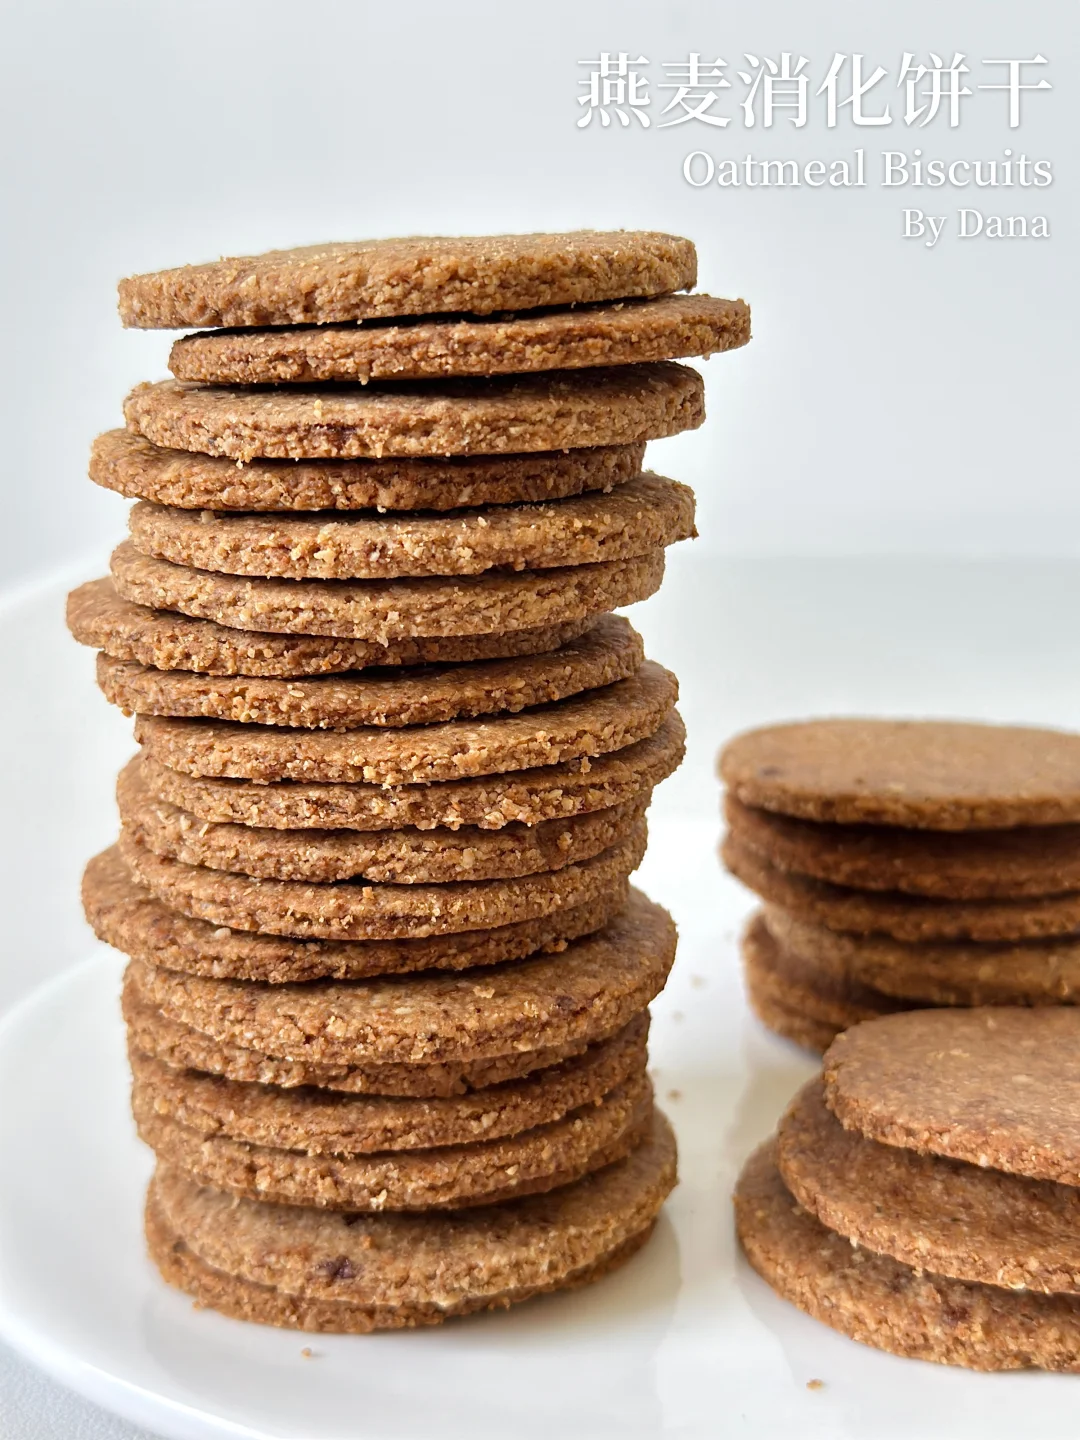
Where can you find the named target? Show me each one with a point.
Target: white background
(897, 402)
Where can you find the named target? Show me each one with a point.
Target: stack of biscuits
(904, 864)
(923, 1194)
(388, 991)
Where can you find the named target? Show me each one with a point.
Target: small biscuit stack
(388, 991)
(923, 1195)
(904, 864)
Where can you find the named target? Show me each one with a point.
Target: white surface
(751, 641)
(895, 399)
(685, 1341)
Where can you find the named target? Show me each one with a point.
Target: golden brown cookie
(414, 275)
(182, 1046)
(126, 915)
(670, 327)
(964, 1221)
(609, 651)
(956, 972)
(782, 1020)
(317, 1122)
(123, 461)
(933, 774)
(597, 723)
(483, 1172)
(787, 981)
(317, 1270)
(904, 917)
(883, 1303)
(587, 992)
(640, 516)
(357, 910)
(398, 857)
(388, 611)
(529, 797)
(949, 865)
(998, 1087)
(166, 640)
(507, 415)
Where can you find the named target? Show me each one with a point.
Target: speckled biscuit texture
(317, 1270)
(359, 910)
(414, 275)
(997, 1087)
(608, 652)
(957, 972)
(933, 774)
(512, 414)
(640, 516)
(891, 1306)
(484, 1172)
(904, 917)
(165, 640)
(388, 611)
(827, 1000)
(182, 1046)
(399, 857)
(317, 1122)
(596, 723)
(528, 797)
(965, 1221)
(122, 461)
(670, 327)
(964, 865)
(126, 915)
(590, 990)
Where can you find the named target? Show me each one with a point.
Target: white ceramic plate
(684, 1342)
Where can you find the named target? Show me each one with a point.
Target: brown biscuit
(485, 1172)
(399, 857)
(609, 651)
(590, 990)
(130, 465)
(596, 723)
(317, 1123)
(182, 1046)
(957, 972)
(963, 1221)
(529, 797)
(165, 640)
(963, 865)
(507, 415)
(997, 1087)
(387, 611)
(891, 1306)
(318, 1270)
(124, 914)
(829, 1000)
(782, 1020)
(638, 517)
(356, 910)
(413, 275)
(904, 917)
(671, 327)
(933, 774)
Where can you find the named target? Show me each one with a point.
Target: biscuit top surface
(937, 774)
(415, 275)
(994, 1086)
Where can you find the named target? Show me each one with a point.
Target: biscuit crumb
(307, 1353)
(698, 981)
(674, 1094)
(815, 1384)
